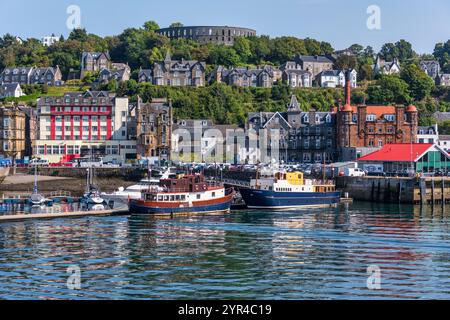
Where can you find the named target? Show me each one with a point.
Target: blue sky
(340, 22)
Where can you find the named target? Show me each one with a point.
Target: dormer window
(371, 117)
(306, 119)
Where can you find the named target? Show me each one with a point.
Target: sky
(340, 22)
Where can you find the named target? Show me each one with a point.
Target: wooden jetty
(76, 214)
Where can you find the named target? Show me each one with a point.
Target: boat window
(177, 197)
(213, 194)
(166, 198)
(198, 196)
(160, 198)
(183, 197)
(172, 198)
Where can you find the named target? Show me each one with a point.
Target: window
(371, 117)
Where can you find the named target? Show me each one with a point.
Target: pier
(78, 214)
(423, 190)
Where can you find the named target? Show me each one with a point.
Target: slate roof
(317, 59)
(426, 129)
(9, 87)
(330, 73)
(442, 116)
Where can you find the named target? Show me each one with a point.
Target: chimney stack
(348, 88)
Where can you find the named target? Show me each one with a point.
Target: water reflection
(305, 254)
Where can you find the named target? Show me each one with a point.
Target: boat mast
(35, 188)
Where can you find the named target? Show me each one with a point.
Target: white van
(354, 172)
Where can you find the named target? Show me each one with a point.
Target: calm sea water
(305, 254)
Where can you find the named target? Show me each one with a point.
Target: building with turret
(363, 129)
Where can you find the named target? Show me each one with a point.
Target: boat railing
(60, 193)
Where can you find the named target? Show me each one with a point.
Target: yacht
(92, 195)
(135, 191)
(37, 199)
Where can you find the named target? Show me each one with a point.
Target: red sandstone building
(365, 128)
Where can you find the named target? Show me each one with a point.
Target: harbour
(301, 254)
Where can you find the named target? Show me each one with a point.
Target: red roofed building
(373, 126)
(397, 159)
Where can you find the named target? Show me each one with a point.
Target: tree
(442, 54)
(356, 49)
(260, 49)
(176, 25)
(286, 48)
(401, 50)
(389, 89)
(7, 40)
(313, 47)
(151, 26)
(90, 77)
(79, 34)
(224, 55)
(420, 84)
(365, 72)
(345, 62)
(243, 49)
(64, 60)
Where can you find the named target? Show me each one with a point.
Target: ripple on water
(305, 254)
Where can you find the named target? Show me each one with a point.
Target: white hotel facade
(80, 124)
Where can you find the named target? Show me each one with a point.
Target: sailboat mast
(35, 189)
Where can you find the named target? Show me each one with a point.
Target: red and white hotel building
(72, 125)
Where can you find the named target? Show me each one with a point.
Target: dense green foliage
(141, 47)
(229, 104)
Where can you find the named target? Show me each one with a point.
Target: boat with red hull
(187, 194)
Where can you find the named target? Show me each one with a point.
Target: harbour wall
(128, 174)
(396, 190)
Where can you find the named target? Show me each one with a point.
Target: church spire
(168, 58)
(294, 106)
